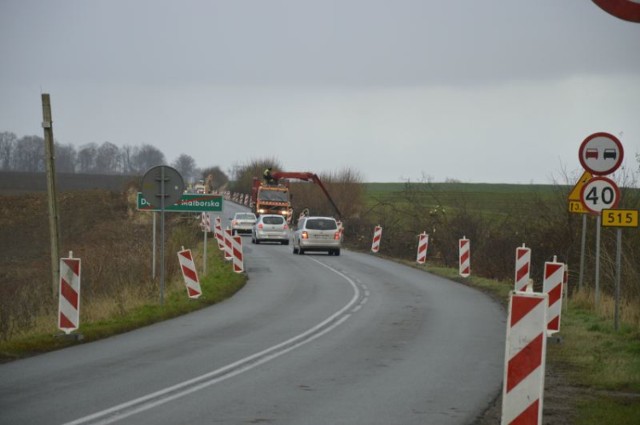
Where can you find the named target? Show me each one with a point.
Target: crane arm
(306, 176)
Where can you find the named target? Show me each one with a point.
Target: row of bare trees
(27, 154)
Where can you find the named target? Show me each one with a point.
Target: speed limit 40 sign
(600, 193)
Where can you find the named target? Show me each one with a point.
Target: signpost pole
(153, 255)
(597, 299)
(618, 271)
(583, 244)
(162, 192)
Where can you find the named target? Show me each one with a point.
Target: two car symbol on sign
(607, 154)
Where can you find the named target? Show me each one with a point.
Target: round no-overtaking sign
(601, 154)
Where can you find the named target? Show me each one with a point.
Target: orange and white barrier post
(377, 235)
(464, 246)
(523, 268)
(552, 285)
(69, 294)
(228, 244)
(238, 258)
(189, 273)
(423, 246)
(525, 356)
(218, 233)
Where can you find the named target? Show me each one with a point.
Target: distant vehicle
(242, 222)
(317, 234)
(270, 227)
(610, 154)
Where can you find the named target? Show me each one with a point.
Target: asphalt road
(311, 340)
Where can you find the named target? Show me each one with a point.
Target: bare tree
(145, 157)
(66, 157)
(7, 146)
(108, 159)
(214, 178)
(29, 154)
(87, 158)
(186, 166)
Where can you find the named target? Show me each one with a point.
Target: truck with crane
(274, 197)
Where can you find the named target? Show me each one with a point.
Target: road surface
(310, 340)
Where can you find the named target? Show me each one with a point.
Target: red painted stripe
(529, 416)
(192, 292)
(65, 323)
(463, 242)
(521, 306)
(464, 257)
(68, 293)
(555, 294)
(191, 274)
(522, 272)
(186, 254)
(466, 271)
(521, 253)
(73, 264)
(550, 269)
(524, 363)
(237, 254)
(554, 324)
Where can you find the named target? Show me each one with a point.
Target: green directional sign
(189, 202)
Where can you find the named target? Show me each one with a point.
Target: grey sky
(481, 91)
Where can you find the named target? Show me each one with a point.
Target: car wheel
(336, 252)
(285, 242)
(300, 251)
(257, 241)
(295, 250)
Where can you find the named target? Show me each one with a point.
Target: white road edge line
(182, 389)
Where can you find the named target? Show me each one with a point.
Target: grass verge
(219, 284)
(602, 365)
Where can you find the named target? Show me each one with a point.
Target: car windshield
(273, 220)
(247, 216)
(321, 224)
(274, 195)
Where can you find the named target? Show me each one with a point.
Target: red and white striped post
(525, 354)
(552, 285)
(189, 273)
(69, 294)
(228, 244)
(464, 246)
(377, 235)
(238, 258)
(206, 228)
(219, 233)
(423, 246)
(523, 268)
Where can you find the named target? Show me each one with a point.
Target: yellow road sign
(619, 218)
(575, 204)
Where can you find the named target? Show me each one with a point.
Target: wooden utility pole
(54, 219)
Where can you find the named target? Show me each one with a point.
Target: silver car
(242, 222)
(317, 234)
(270, 227)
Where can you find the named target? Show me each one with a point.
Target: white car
(270, 227)
(317, 234)
(242, 222)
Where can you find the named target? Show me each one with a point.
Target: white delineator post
(523, 268)
(552, 285)
(217, 230)
(465, 256)
(525, 354)
(377, 235)
(423, 246)
(238, 259)
(206, 228)
(69, 294)
(189, 273)
(228, 244)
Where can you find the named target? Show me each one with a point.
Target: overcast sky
(497, 91)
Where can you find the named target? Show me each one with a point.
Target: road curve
(311, 339)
